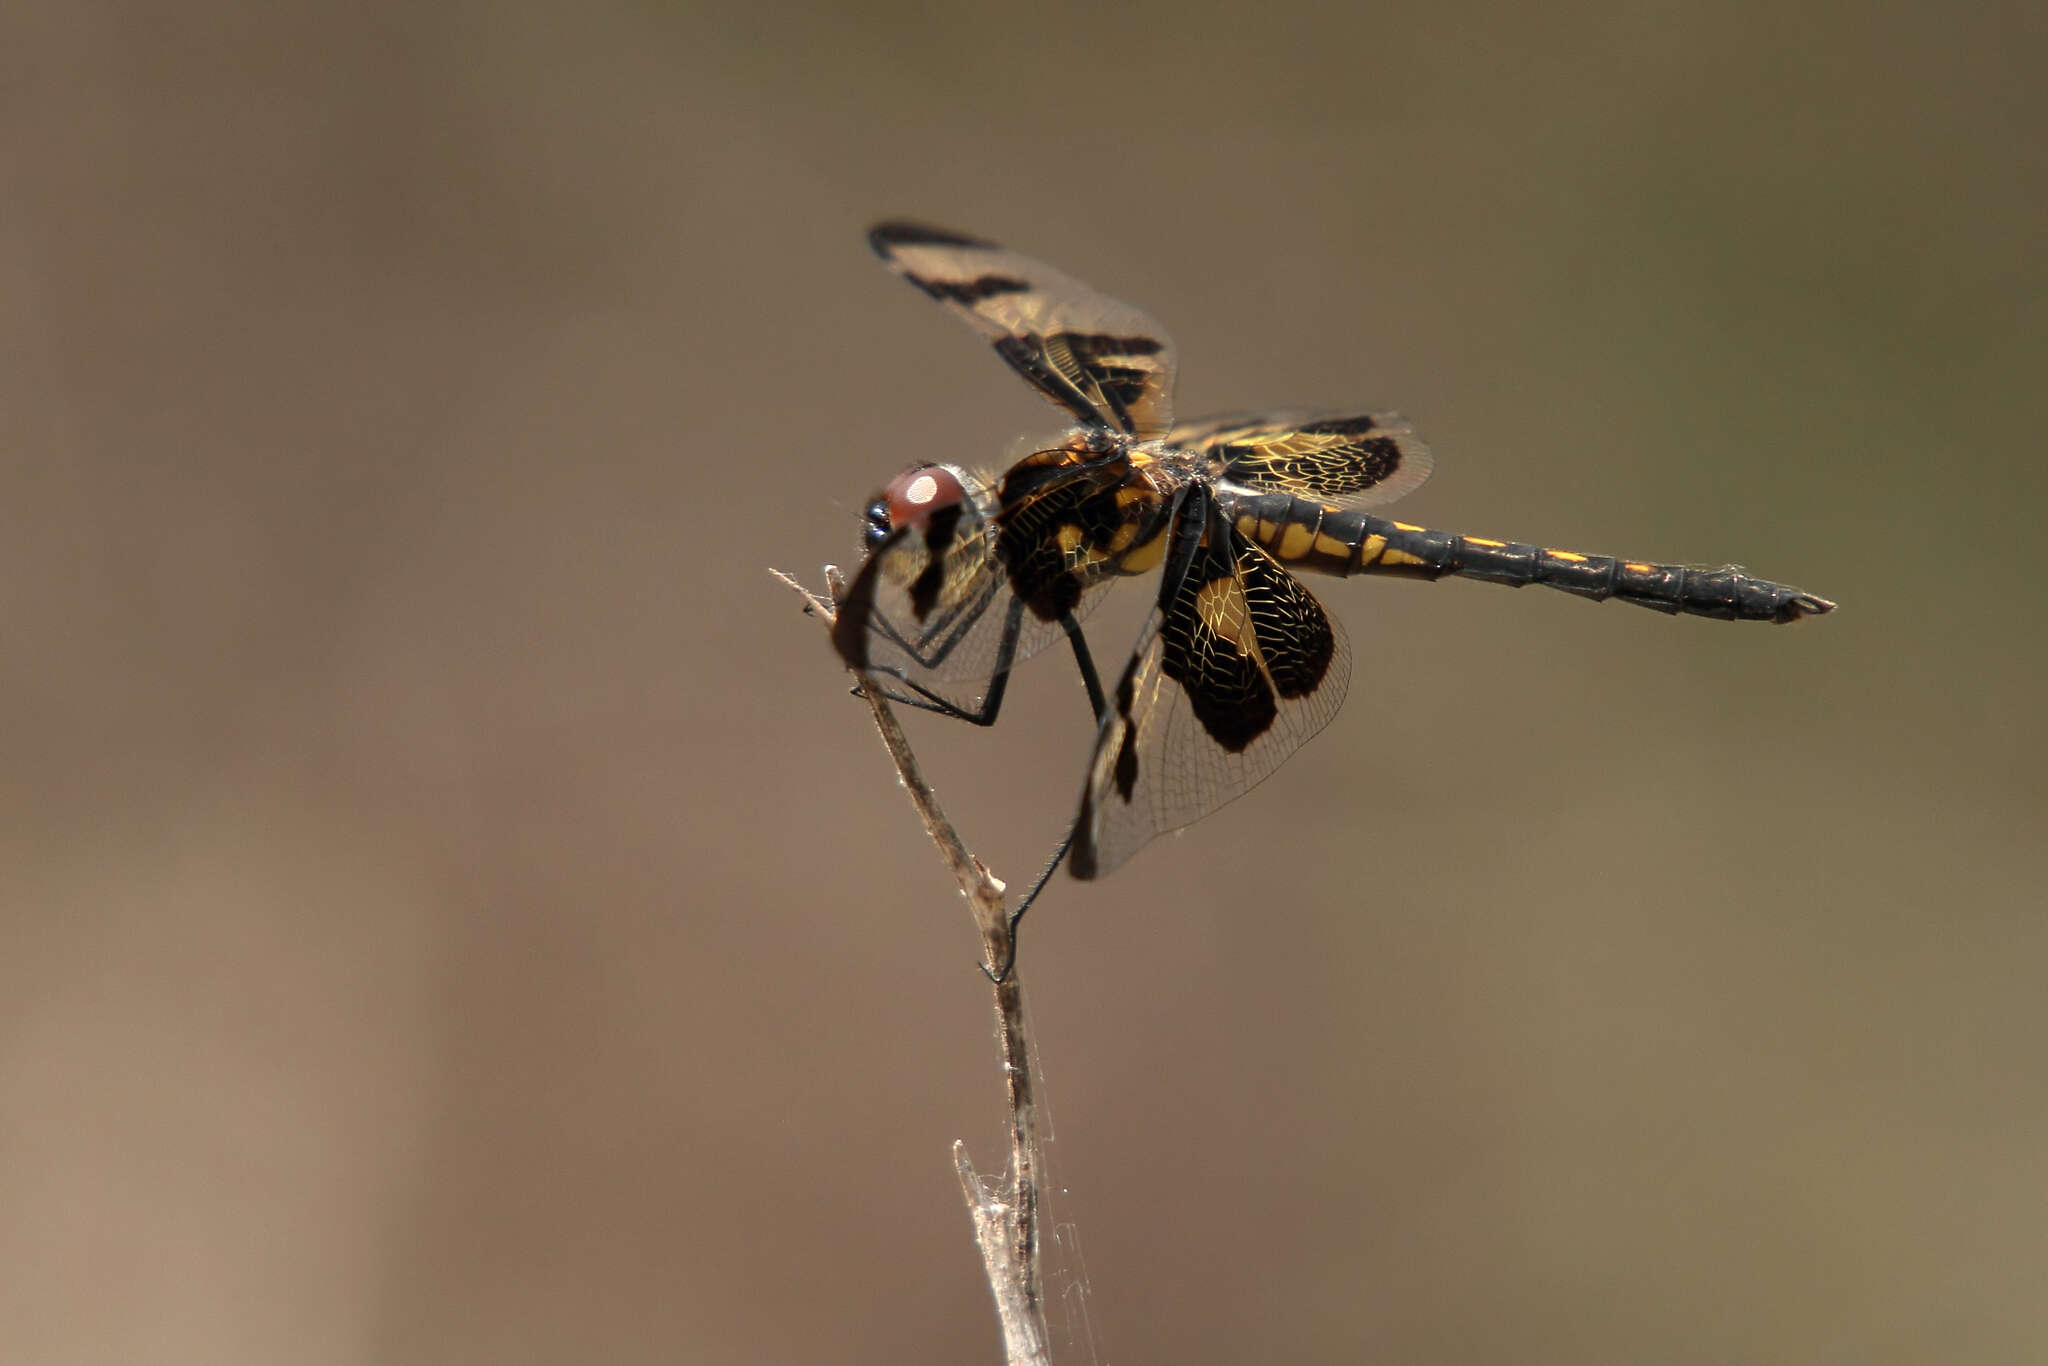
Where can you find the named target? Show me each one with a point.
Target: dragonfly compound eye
(914, 495)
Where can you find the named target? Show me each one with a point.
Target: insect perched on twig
(1237, 664)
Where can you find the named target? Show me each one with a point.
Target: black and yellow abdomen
(1329, 540)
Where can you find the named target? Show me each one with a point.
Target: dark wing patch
(1104, 361)
(1355, 461)
(1236, 667)
(902, 232)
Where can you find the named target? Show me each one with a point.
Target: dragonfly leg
(1085, 662)
(927, 700)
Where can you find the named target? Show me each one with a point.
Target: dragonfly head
(910, 499)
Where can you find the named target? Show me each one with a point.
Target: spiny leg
(985, 715)
(998, 683)
(1100, 706)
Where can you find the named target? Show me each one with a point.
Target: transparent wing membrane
(1102, 360)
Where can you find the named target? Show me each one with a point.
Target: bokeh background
(450, 910)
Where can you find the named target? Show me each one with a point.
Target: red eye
(914, 495)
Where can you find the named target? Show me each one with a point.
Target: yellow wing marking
(1146, 556)
(1225, 612)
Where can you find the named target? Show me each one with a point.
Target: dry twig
(1005, 1212)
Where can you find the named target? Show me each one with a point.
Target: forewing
(1354, 460)
(935, 606)
(1236, 667)
(1104, 361)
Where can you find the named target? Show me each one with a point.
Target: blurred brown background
(452, 912)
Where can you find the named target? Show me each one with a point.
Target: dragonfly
(1237, 664)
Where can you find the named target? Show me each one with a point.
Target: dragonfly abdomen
(1329, 540)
